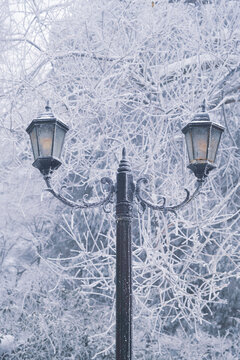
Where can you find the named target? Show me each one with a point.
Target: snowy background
(119, 73)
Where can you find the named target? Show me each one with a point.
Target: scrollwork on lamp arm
(83, 204)
(146, 203)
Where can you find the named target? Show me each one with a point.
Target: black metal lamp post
(202, 140)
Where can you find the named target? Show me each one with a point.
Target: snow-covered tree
(129, 73)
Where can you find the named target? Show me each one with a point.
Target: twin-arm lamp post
(47, 137)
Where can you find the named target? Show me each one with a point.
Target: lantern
(47, 136)
(202, 140)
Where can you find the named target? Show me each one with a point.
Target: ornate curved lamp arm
(83, 204)
(146, 203)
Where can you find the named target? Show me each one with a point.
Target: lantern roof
(201, 118)
(44, 117)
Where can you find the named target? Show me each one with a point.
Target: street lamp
(47, 136)
(202, 140)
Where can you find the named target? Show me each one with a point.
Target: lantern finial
(47, 107)
(204, 106)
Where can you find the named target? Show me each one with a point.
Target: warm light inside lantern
(47, 137)
(202, 139)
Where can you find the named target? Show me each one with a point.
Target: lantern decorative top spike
(47, 107)
(204, 106)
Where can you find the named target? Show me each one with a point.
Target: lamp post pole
(47, 137)
(124, 192)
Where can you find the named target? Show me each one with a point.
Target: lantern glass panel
(58, 141)
(33, 137)
(214, 142)
(45, 138)
(200, 136)
(188, 138)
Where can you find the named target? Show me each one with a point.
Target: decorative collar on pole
(124, 163)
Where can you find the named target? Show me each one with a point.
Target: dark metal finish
(125, 193)
(146, 203)
(46, 164)
(201, 171)
(202, 166)
(84, 204)
(46, 117)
